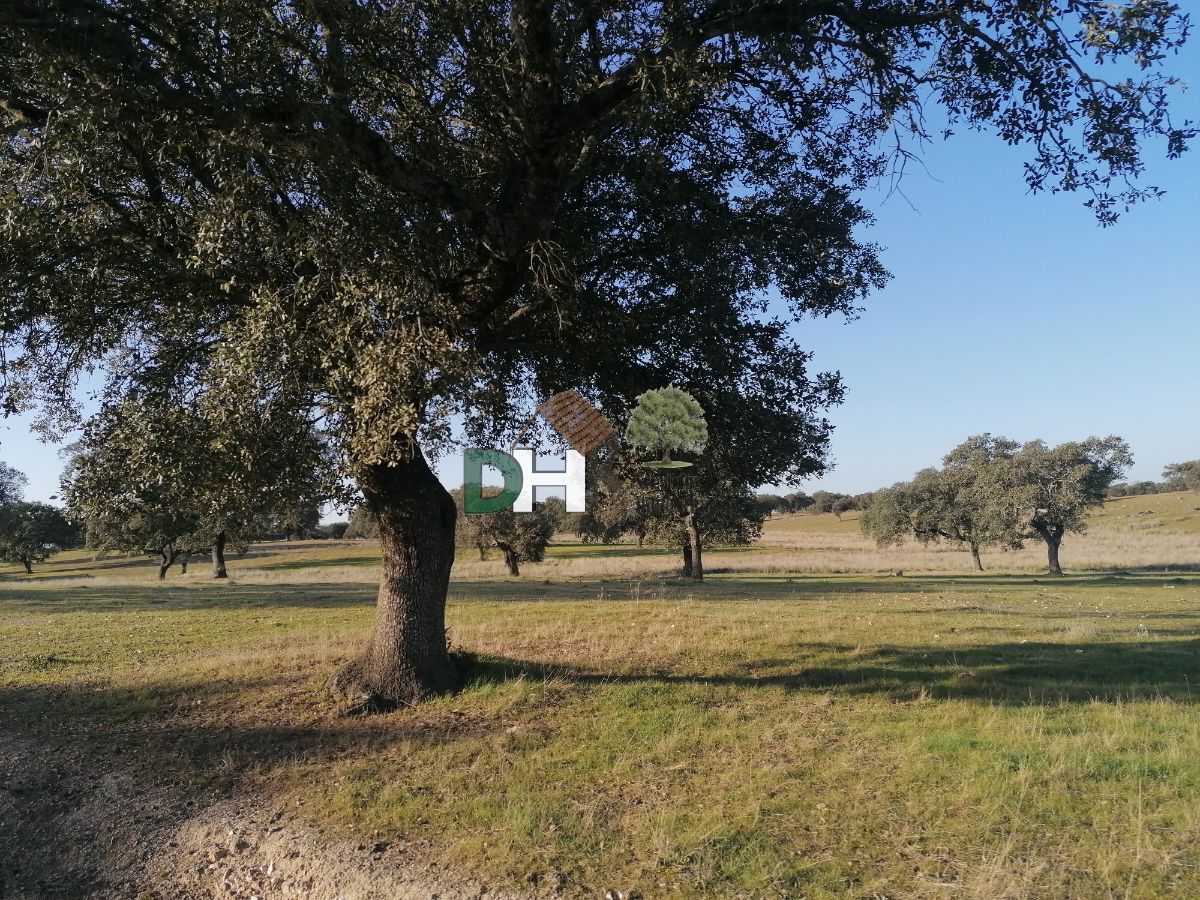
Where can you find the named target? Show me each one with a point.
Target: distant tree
(1140, 488)
(843, 505)
(1052, 488)
(521, 537)
(829, 502)
(771, 504)
(363, 524)
(160, 476)
(554, 509)
(160, 520)
(623, 505)
(665, 420)
(334, 531)
(33, 532)
(1183, 476)
(12, 484)
(958, 503)
(797, 502)
(730, 519)
(682, 510)
(299, 521)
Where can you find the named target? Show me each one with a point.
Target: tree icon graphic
(664, 420)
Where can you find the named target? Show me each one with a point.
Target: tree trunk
(1053, 542)
(218, 556)
(167, 558)
(687, 559)
(510, 559)
(693, 534)
(183, 563)
(482, 553)
(407, 659)
(1053, 536)
(975, 557)
(28, 565)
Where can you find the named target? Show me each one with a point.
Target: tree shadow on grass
(84, 597)
(96, 780)
(1011, 674)
(85, 765)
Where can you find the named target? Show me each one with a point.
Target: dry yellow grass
(1159, 532)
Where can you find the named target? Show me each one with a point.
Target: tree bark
(975, 557)
(693, 535)
(218, 556)
(510, 559)
(1053, 536)
(167, 557)
(407, 659)
(1052, 545)
(28, 565)
(687, 559)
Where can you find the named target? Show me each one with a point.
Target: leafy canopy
(523, 536)
(33, 532)
(966, 502)
(1185, 475)
(1054, 487)
(392, 212)
(145, 476)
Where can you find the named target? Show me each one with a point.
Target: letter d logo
(474, 503)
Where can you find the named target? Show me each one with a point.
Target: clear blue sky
(1009, 312)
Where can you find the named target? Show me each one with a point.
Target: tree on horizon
(394, 216)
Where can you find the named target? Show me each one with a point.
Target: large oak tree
(391, 211)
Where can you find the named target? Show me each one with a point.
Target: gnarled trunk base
(407, 660)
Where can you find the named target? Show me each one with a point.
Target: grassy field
(767, 733)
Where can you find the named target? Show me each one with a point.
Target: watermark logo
(580, 425)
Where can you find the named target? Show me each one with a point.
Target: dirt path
(86, 811)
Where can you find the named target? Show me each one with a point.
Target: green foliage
(965, 502)
(1054, 487)
(797, 501)
(1183, 476)
(296, 521)
(334, 531)
(1142, 488)
(33, 532)
(667, 419)
(831, 502)
(152, 478)
(363, 525)
(12, 484)
(340, 207)
(649, 506)
(994, 491)
(521, 537)
(555, 510)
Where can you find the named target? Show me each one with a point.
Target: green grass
(757, 735)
